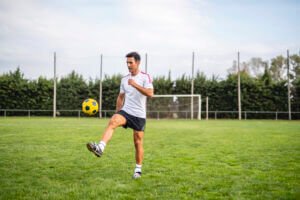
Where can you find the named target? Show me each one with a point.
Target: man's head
(133, 62)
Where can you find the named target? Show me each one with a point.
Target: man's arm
(149, 92)
(120, 101)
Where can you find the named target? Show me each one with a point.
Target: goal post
(174, 106)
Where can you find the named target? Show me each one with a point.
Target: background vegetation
(263, 83)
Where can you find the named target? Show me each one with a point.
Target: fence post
(245, 115)
(4, 113)
(29, 113)
(157, 115)
(276, 116)
(199, 107)
(206, 108)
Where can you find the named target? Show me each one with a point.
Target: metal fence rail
(157, 114)
(252, 115)
(62, 113)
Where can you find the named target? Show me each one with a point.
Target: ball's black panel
(87, 108)
(94, 111)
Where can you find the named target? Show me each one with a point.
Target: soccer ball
(90, 106)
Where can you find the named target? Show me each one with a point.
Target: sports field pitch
(45, 158)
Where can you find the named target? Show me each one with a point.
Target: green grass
(44, 158)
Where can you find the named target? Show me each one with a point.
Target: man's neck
(135, 73)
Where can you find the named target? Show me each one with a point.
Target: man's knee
(116, 121)
(138, 139)
(113, 123)
(138, 142)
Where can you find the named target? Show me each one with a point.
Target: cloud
(33, 30)
(169, 31)
(172, 26)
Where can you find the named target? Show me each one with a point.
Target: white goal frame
(192, 100)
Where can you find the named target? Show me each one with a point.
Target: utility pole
(239, 88)
(100, 89)
(146, 63)
(192, 88)
(288, 81)
(54, 87)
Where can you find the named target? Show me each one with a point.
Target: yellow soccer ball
(90, 106)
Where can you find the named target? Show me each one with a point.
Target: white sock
(102, 145)
(138, 168)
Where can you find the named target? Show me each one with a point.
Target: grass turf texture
(44, 158)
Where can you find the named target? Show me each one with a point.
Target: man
(130, 110)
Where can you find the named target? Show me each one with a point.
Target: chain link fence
(211, 115)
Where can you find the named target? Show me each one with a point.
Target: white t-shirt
(135, 102)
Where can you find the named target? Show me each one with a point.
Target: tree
(182, 85)
(244, 67)
(257, 66)
(71, 91)
(295, 66)
(277, 68)
(110, 91)
(266, 78)
(163, 85)
(13, 90)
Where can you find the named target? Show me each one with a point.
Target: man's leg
(139, 152)
(116, 121)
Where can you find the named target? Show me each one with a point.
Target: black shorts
(136, 123)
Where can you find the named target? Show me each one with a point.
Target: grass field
(44, 158)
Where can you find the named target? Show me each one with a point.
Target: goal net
(180, 106)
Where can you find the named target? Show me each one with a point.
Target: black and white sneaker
(137, 175)
(93, 147)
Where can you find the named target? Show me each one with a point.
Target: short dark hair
(135, 55)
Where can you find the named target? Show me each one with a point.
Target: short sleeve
(148, 81)
(122, 90)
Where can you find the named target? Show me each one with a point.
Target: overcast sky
(167, 30)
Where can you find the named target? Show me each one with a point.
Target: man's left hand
(131, 82)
